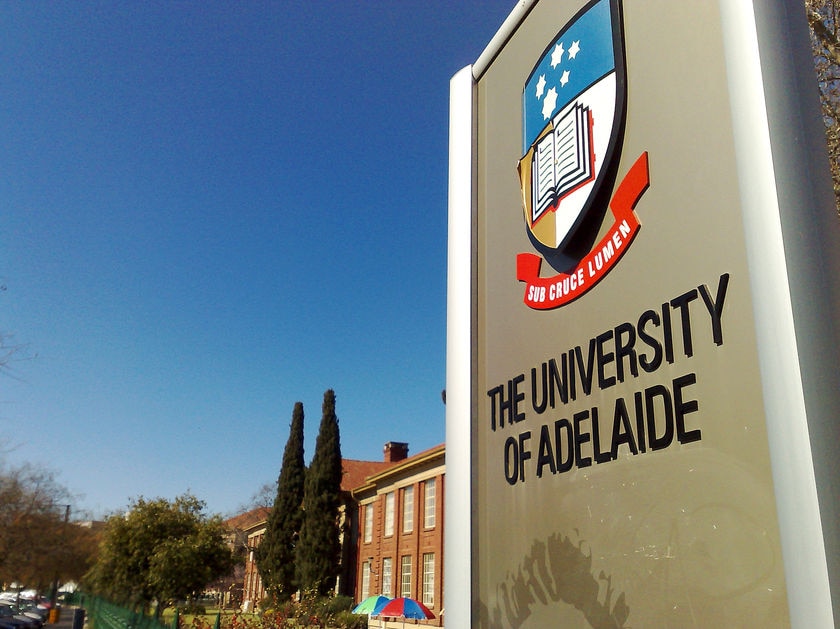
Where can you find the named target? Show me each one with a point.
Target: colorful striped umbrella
(405, 607)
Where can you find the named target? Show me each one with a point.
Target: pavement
(65, 619)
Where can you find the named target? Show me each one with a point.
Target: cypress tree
(319, 549)
(276, 553)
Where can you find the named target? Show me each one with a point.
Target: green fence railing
(106, 615)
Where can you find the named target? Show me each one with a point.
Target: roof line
(408, 463)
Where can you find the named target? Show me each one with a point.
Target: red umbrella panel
(404, 607)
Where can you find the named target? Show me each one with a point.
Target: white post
(457, 558)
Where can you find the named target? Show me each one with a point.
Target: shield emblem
(573, 106)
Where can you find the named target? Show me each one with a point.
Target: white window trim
(408, 509)
(390, 508)
(368, 534)
(430, 504)
(387, 576)
(428, 594)
(405, 584)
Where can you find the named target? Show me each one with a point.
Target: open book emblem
(573, 115)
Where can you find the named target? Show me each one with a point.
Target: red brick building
(400, 516)
(392, 523)
(231, 589)
(253, 591)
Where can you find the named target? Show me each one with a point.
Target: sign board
(642, 383)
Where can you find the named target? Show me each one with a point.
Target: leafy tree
(160, 551)
(77, 551)
(319, 549)
(823, 16)
(276, 553)
(37, 543)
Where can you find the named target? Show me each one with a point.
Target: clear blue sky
(209, 211)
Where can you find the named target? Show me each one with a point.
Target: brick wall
(393, 543)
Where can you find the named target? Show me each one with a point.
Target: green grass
(187, 620)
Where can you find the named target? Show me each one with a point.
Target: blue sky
(209, 211)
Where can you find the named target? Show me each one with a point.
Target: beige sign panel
(631, 463)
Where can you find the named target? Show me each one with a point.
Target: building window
(389, 513)
(365, 580)
(408, 510)
(387, 588)
(429, 518)
(369, 523)
(405, 576)
(429, 579)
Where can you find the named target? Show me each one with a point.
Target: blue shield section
(580, 55)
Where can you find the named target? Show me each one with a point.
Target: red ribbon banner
(545, 293)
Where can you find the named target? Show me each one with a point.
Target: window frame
(430, 503)
(387, 576)
(368, 523)
(366, 572)
(390, 508)
(427, 596)
(408, 509)
(405, 576)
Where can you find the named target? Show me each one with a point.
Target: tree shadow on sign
(556, 570)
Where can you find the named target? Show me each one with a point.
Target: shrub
(348, 620)
(333, 605)
(310, 612)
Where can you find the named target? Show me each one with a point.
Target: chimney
(395, 451)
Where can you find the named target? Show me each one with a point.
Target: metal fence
(106, 615)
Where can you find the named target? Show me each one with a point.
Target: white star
(549, 103)
(557, 55)
(574, 49)
(540, 86)
(564, 78)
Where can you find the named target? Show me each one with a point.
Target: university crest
(573, 106)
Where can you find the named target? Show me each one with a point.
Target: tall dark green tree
(276, 552)
(319, 549)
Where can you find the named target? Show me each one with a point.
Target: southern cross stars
(556, 59)
(559, 51)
